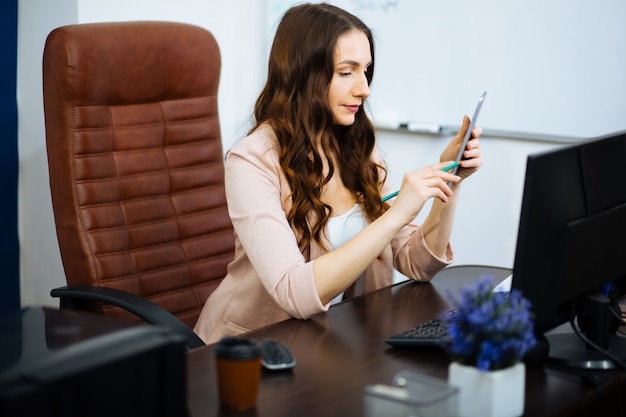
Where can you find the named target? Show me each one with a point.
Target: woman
(304, 187)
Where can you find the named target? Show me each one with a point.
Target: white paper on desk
(505, 285)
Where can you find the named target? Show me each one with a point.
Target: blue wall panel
(9, 162)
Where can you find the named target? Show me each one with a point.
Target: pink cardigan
(270, 280)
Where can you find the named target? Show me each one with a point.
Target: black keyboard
(430, 333)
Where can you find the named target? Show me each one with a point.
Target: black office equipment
(571, 245)
(63, 363)
(276, 356)
(429, 333)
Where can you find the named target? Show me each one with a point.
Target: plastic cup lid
(237, 348)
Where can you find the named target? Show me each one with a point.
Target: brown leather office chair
(136, 169)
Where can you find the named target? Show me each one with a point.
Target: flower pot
(489, 394)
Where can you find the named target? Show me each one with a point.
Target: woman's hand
(473, 157)
(419, 186)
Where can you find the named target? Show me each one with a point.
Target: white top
(343, 228)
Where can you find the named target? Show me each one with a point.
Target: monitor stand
(569, 350)
(595, 317)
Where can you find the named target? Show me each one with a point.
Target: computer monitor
(571, 246)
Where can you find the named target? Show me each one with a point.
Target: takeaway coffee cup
(238, 363)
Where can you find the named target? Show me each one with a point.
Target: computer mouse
(275, 356)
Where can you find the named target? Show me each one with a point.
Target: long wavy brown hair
(294, 102)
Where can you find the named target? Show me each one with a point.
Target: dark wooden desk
(340, 352)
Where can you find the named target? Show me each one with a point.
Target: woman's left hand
(472, 156)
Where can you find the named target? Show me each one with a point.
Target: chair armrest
(139, 306)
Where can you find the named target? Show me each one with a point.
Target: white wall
(40, 263)
(487, 221)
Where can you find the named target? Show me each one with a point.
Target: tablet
(468, 133)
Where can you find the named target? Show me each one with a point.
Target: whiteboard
(554, 67)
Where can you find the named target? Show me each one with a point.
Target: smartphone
(468, 134)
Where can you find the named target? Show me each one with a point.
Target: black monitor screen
(572, 231)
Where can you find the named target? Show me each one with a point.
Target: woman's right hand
(420, 185)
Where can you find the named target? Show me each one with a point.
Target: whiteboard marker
(420, 127)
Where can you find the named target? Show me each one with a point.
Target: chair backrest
(135, 160)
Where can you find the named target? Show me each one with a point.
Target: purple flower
(489, 330)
